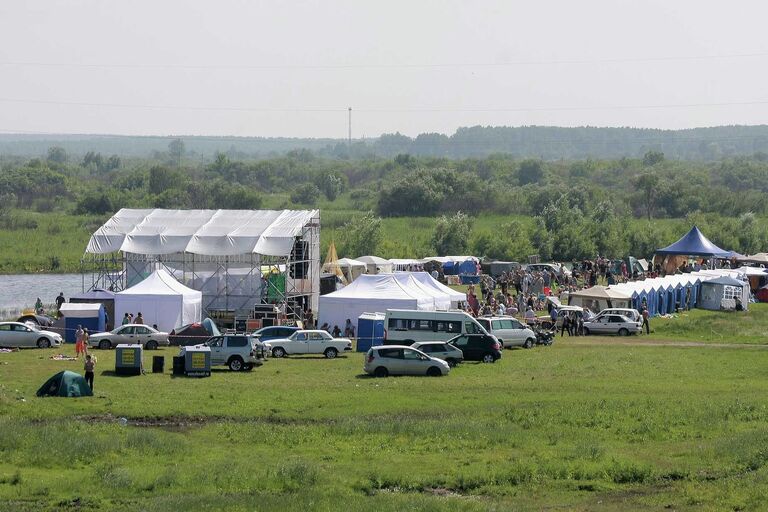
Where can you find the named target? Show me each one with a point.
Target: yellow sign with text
(128, 357)
(198, 361)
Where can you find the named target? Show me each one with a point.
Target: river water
(19, 291)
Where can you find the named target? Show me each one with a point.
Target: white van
(509, 331)
(403, 326)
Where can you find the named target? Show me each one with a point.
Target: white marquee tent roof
(205, 232)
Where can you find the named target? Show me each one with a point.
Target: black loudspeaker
(300, 252)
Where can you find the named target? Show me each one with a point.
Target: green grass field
(581, 425)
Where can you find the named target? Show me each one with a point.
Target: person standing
(79, 340)
(139, 319)
(646, 324)
(566, 327)
(126, 320)
(60, 300)
(39, 306)
(86, 338)
(309, 320)
(90, 365)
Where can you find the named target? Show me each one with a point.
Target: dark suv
(478, 347)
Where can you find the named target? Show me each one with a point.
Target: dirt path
(636, 341)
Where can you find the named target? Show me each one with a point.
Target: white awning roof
(206, 232)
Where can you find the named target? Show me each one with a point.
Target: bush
(306, 194)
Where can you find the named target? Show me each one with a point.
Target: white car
(387, 360)
(129, 333)
(441, 350)
(509, 331)
(611, 324)
(17, 334)
(310, 342)
(632, 314)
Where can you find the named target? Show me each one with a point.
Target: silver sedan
(16, 334)
(130, 333)
(612, 324)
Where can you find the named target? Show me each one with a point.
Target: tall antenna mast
(350, 127)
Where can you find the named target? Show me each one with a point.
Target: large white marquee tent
(377, 293)
(162, 300)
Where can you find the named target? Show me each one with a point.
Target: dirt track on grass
(636, 341)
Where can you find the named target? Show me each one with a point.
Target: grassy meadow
(582, 425)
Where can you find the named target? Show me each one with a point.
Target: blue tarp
(694, 243)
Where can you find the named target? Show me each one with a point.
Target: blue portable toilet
(370, 331)
(90, 316)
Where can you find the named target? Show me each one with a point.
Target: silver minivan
(509, 330)
(387, 360)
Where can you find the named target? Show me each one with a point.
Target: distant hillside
(548, 142)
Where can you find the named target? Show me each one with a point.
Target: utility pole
(350, 128)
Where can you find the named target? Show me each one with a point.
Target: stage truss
(231, 285)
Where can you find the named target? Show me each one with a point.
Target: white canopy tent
(377, 265)
(162, 300)
(375, 293)
(442, 300)
(351, 268)
(426, 279)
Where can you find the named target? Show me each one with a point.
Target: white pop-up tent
(427, 280)
(377, 265)
(351, 268)
(161, 300)
(371, 293)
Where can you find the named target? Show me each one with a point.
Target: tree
(161, 179)
(451, 234)
(57, 155)
(361, 235)
(306, 193)
(331, 184)
(176, 150)
(651, 158)
(531, 171)
(649, 185)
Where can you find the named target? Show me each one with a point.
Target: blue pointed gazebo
(694, 243)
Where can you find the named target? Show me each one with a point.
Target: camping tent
(377, 265)
(598, 298)
(372, 293)
(65, 383)
(90, 316)
(720, 293)
(162, 300)
(351, 268)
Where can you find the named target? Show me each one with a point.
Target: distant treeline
(546, 142)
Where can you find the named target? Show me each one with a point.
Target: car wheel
(278, 352)
(236, 364)
(434, 371)
(248, 367)
(331, 353)
(623, 332)
(586, 331)
(381, 372)
(528, 343)
(488, 358)
(43, 343)
(151, 345)
(105, 344)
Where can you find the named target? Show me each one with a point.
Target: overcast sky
(290, 68)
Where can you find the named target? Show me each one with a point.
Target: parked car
(129, 333)
(190, 334)
(574, 311)
(612, 324)
(632, 314)
(550, 267)
(17, 334)
(387, 360)
(509, 331)
(39, 320)
(441, 350)
(274, 332)
(236, 351)
(478, 347)
(310, 342)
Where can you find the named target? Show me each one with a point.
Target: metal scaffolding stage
(233, 285)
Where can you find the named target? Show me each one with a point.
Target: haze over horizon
(237, 68)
